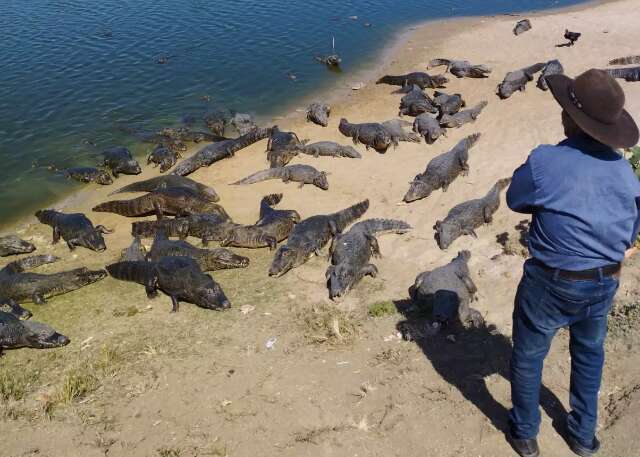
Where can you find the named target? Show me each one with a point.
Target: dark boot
(525, 448)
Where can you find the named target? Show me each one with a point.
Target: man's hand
(630, 252)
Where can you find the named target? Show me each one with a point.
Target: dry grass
(15, 382)
(169, 452)
(126, 311)
(326, 324)
(78, 383)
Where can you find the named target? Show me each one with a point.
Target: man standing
(585, 203)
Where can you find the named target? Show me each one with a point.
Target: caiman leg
(373, 244)
(56, 235)
(102, 229)
(174, 301)
(369, 269)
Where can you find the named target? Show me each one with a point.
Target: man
(585, 203)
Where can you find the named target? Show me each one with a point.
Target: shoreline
(440, 30)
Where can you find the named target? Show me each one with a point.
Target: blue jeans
(544, 303)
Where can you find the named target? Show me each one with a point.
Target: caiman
(15, 334)
(76, 229)
(18, 285)
(274, 226)
(218, 151)
(420, 79)
(207, 259)
(442, 170)
(330, 149)
(370, 134)
(351, 252)
(119, 160)
(311, 235)
(448, 291)
(207, 227)
(12, 245)
(179, 277)
(177, 201)
(303, 174)
(464, 218)
(163, 182)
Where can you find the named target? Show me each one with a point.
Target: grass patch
(77, 384)
(127, 311)
(14, 383)
(169, 452)
(383, 308)
(326, 324)
(109, 360)
(624, 319)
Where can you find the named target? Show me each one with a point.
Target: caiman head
(439, 80)
(130, 167)
(93, 240)
(228, 259)
(44, 337)
(17, 246)
(104, 178)
(283, 261)
(340, 278)
(505, 90)
(417, 190)
(446, 233)
(320, 180)
(11, 307)
(210, 295)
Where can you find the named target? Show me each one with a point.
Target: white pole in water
(333, 43)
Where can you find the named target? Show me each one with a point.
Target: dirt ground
(336, 379)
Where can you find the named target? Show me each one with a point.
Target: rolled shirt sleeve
(521, 195)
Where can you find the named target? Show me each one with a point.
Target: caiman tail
(271, 173)
(345, 217)
(470, 141)
(71, 280)
(438, 63)
(535, 68)
(500, 185)
(27, 263)
(382, 226)
(140, 272)
(392, 80)
(135, 207)
(269, 201)
(628, 74)
(171, 227)
(629, 60)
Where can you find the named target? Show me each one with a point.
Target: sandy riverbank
(408, 408)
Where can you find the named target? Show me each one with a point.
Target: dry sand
(202, 383)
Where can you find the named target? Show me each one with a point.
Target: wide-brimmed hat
(595, 101)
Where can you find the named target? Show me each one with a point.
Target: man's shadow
(466, 362)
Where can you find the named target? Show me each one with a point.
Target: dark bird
(571, 36)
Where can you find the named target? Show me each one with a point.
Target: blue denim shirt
(584, 200)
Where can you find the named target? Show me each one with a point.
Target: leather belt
(592, 273)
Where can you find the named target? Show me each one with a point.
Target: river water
(78, 69)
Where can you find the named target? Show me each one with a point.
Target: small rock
(451, 338)
(271, 343)
(292, 296)
(353, 18)
(358, 86)
(246, 309)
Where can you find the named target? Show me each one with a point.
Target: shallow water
(75, 70)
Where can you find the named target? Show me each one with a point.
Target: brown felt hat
(595, 101)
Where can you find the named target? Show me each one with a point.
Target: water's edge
(367, 71)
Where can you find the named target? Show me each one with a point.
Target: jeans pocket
(566, 301)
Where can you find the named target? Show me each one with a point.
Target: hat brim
(622, 134)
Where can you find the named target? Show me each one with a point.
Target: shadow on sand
(476, 354)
